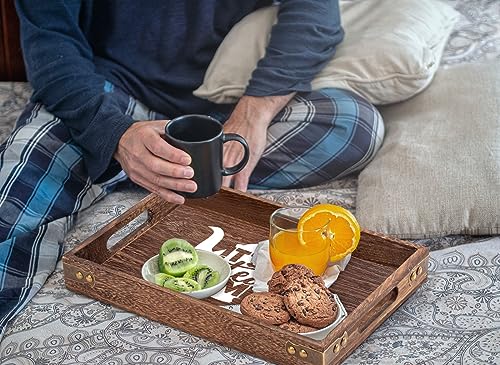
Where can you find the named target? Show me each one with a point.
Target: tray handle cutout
(128, 229)
(383, 308)
(132, 223)
(379, 310)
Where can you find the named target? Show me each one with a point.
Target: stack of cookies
(297, 301)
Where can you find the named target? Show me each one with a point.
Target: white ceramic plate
(150, 269)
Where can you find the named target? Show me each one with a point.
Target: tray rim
(300, 342)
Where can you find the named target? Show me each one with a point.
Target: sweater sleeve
(60, 69)
(302, 42)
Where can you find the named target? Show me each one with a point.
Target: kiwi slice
(203, 275)
(161, 277)
(184, 285)
(176, 257)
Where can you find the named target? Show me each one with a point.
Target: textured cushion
(389, 53)
(438, 171)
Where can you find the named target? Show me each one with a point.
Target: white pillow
(390, 52)
(438, 171)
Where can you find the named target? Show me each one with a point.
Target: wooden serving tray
(382, 273)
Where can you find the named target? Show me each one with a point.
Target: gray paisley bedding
(453, 319)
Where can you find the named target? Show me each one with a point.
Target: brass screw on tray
(291, 350)
(303, 354)
(79, 275)
(343, 341)
(416, 273)
(336, 348)
(413, 276)
(89, 278)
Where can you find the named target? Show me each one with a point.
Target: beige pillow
(390, 52)
(438, 171)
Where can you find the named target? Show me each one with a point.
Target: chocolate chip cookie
(310, 303)
(269, 307)
(294, 326)
(287, 275)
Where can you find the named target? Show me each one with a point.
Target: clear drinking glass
(287, 245)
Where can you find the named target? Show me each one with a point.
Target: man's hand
(250, 119)
(154, 164)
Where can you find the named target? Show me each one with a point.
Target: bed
(453, 319)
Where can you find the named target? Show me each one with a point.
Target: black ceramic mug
(202, 138)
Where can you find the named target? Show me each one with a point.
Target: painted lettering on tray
(234, 290)
(240, 260)
(239, 253)
(242, 269)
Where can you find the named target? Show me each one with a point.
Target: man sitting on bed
(106, 75)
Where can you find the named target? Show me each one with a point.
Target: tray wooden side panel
(384, 250)
(375, 259)
(179, 223)
(382, 302)
(243, 206)
(229, 203)
(95, 249)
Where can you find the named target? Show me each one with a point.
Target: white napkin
(264, 269)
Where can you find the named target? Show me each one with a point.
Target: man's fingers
(160, 148)
(241, 181)
(165, 182)
(226, 181)
(154, 164)
(143, 175)
(145, 163)
(233, 153)
(165, 194)
(167, 168)
(159, 126)
(166, 187)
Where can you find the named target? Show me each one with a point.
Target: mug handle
(238, 167)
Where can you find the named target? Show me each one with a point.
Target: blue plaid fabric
(43, 184)
(319, 136)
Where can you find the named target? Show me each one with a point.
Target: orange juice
(285, 248)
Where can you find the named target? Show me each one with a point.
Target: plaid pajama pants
(319, 136)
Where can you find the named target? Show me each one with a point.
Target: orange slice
(342, 226)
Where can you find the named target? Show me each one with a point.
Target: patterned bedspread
(453, 319)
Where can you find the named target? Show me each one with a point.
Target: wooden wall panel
(3, 69)
(11, 63)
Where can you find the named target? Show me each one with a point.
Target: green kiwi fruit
(176, 257)
(203, 275)
(184, 285)
(161, 277)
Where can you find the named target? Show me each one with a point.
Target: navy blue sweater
(158, 52)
